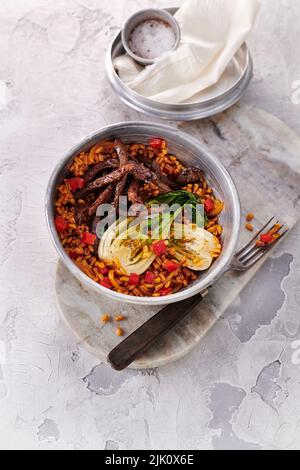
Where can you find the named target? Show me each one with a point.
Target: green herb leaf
(181, 198)
(175, 197)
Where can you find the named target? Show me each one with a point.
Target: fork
(251, 253)
(167, 318)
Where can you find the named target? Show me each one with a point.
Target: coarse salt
(151, 39)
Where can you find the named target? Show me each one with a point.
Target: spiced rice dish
(153, 265)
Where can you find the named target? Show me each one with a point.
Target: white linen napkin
(212, 33)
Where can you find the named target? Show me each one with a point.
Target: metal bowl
(190, 152)
(148, 14)
(227, 92)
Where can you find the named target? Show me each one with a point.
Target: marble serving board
(263, 156)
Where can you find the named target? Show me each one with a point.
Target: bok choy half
(174, 217)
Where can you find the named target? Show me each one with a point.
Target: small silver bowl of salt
(150, 34)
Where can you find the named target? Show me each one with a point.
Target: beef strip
(94, 171)
(190, 176)
(103, 198)
(111, 178)
(145, 161)
(122, 152)
(124, 159)
(133, 192)
(139, 171)
(81, 214)
(187, 176)
(162, 184)
(118, 191)
(162, 180)
(163, 187)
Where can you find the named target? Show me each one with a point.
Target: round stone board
(258, 150)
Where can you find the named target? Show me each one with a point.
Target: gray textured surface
(240, 387)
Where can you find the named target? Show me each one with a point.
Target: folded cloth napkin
(212, 33)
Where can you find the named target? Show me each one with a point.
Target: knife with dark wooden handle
(155, 328)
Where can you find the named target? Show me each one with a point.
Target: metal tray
(214, 100)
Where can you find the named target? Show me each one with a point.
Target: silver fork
(161, 323)
(251, 254)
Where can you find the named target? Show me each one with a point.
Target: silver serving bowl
(190, 152)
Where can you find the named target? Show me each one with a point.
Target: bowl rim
(213, 274)
(166, 16)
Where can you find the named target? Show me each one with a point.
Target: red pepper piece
(106, 283)
(73, 255)
(164, 292)
(209, 205)
(103, 271)
(76, 183)
(267, 238)
(156, 144)
(171, 266)
(149, 278)
(61, 224)
(134, 280)
(159, 248)
(88, 238)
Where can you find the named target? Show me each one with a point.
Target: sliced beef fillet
(141, 173)
(99, 183)
(122, 152)
(81, 214)
(190, 176)
(163, 181)
(137, 170)
(133, 192)
(124, 159)
(93, 172)
(119, 191)
(103, 198)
